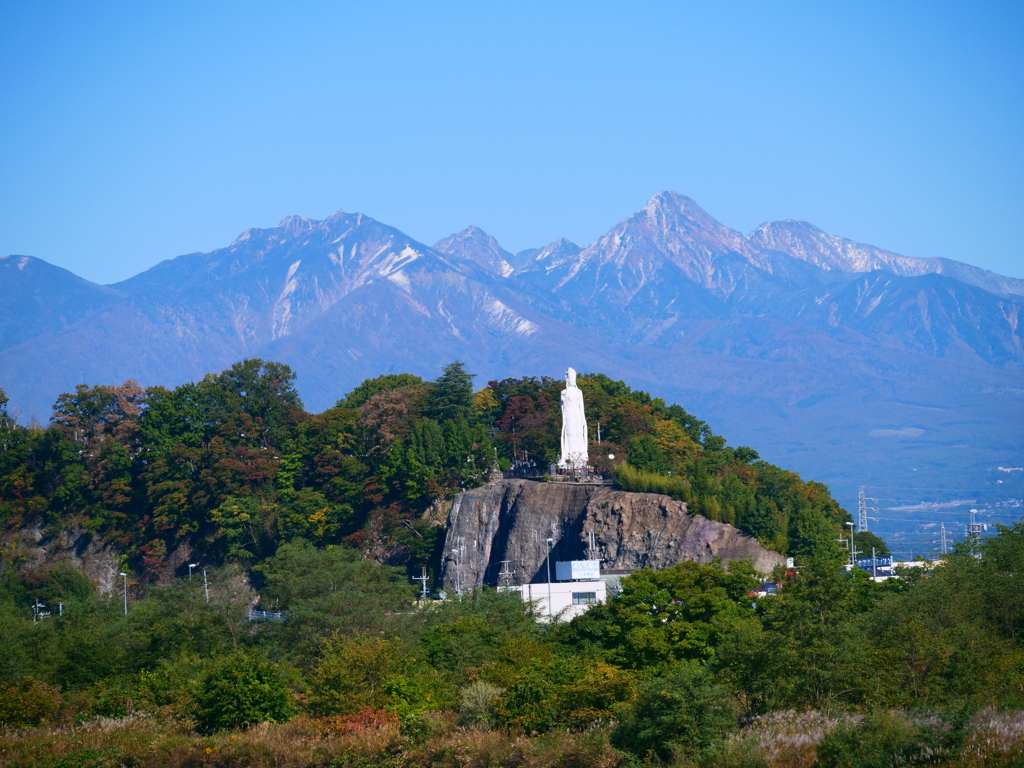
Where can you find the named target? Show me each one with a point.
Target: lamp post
(853, 551)
(550, 544)
(190, 567)
(124, 576)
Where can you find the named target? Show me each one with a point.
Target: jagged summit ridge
(473, 244)
(349, 287)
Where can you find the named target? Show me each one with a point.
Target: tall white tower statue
(574, 426)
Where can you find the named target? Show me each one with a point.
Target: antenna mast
(974, 531)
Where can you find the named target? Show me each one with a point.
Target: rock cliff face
(512, 520)
(34, 549)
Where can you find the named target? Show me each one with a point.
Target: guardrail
(266, 615)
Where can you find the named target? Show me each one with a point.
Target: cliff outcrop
(512, 520)
(34, 548)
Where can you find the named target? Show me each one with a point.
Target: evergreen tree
(451, 395)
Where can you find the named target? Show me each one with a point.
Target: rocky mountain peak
(473, 244)
(671, 229)
(295, 224)
(671, 210)
(804, 241)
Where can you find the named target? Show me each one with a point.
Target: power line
(913, 488)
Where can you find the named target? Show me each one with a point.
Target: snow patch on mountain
(507, 319)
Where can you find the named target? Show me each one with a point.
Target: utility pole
(862, 510)
(206, 587)
(423, 579)
(506, 574)
(125, 577)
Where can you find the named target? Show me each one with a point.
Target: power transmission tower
(862, 510)
(943, 544)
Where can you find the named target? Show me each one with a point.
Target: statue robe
(574, 426)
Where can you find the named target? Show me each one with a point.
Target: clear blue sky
(134, 132)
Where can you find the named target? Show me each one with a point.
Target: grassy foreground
(777, 740)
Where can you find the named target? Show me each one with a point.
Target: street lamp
(550, 545)
(853, 552)
(125, 577)
(190, 567)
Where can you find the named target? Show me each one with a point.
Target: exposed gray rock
(34, 549)
(512, 520)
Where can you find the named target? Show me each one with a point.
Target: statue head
(570, 377)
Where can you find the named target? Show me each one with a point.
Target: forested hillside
(683, 668)
(295, 514)
(232, 466)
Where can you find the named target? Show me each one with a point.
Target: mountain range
(848, 363)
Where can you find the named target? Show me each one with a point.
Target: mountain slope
(848, 361)
(37, 298)
(804, 241)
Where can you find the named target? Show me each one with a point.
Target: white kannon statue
(574, 426)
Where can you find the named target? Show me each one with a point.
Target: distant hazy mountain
(841, 360)
(36, 298)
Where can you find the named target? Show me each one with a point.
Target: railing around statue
(587, 476)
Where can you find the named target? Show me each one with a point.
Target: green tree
(645, 455)
(385, 383)
(380, 673)
(451, 394)
(681, 612)
(683, 714)
(242, 690)
(254, 401)
(326, 592)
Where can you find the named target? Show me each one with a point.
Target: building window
(584, 598)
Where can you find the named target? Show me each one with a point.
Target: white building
(579, 586)
(567, 598)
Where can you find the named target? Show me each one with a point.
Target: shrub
(375, 673)
(112, 697)
(884, 739)
(683, 714)
(629, 478)
(476, 703)
(241, 690)
(28, 702)
(90, 758)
